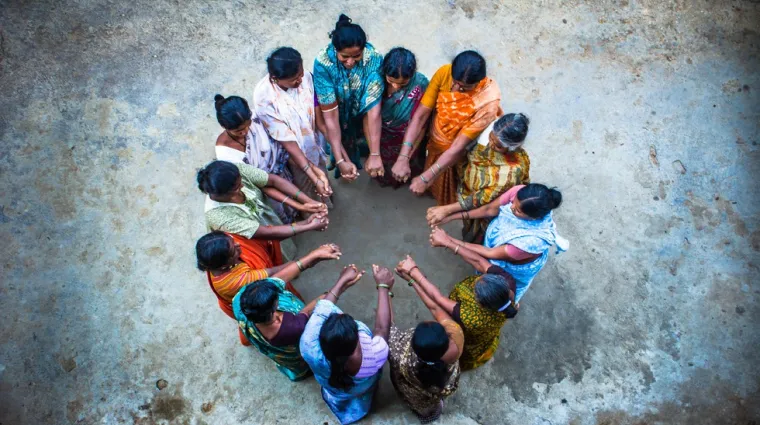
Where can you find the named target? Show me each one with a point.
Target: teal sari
(356, 90)
(288, 359)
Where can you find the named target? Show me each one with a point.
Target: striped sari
(287, 358)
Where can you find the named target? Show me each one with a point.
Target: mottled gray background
(644, 113)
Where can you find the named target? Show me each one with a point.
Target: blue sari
(356, 90)
(533, 236)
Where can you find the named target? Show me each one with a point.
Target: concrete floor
(644, 113)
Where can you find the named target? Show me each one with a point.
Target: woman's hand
(437, 216)
(322, 182)
(439, 237)
(405, 267)
(418, 187)
(350, 275)
(328, 251)
(348, 170)
(317, 221)
(401, 170)
(383, 275)
(313, 207)
(374, 166)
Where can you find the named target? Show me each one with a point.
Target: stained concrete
(644, 113)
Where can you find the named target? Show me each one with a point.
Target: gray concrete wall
(644, 113)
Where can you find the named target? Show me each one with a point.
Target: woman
(404, 87)
(480, 304)
(285, 105)
(343, 353)
(235, 204)
(425, 360)
(497, 163)
(519, 237)
(349, 88)
(465, 101)
(245, 140)
(273, 319)
(232, 262)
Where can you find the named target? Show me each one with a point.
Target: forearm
(296, 154)
(280, 197)
(432, 291)
(476, 260)
(280, 232)
(488, 210)
(383, 315)
(288, 189)
(333, 134)
(429, 302)
(290, 270)
(336, 291)
(309, 308)
(448, 158)
(372, 128)
(413, 134)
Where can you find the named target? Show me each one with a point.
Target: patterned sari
(397, 111)
(288, 359)
(356, 90)
(481, 326)
(425, 402)
(486, 176)
(456, 113)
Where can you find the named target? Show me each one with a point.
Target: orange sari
(456, 113)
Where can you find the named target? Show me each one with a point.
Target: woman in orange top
(231, 262)
(465, 102)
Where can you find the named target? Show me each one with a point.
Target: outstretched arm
(383, 316)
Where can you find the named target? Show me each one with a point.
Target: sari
(289, 117)
(425, 402)
(246, 218)
(356, 90)
(264, 155)
(352, 404)
(532, 236)
(288, 358)
(455, 113)
(486, 176)
(397, 111)
(481, 326)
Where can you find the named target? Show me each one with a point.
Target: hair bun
(218, 100)
(556, 197)
(343, 21)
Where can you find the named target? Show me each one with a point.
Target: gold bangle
(382, 285)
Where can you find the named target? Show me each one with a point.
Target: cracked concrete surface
(644, 113)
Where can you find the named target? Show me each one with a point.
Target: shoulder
(260, 89)
(323, 57)
(443, 71)
(421, 79)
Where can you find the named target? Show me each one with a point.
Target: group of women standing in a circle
(447, 136)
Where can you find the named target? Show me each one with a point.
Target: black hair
(284, 62)
(258, 299)
(218, 177)
(212, 250)
(231, 112)
(399, 63)
(537, 200)
(347, 34)
(430, 343)
(511, 129)
(492, 292)
(338, 338)
(468, 67)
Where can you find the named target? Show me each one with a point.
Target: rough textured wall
(644, 113)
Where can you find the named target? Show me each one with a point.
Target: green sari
(288, 359)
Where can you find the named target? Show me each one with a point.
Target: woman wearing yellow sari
(465, 102)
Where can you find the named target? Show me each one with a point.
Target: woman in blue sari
(349, 89)
(520, 235)
(346, 357)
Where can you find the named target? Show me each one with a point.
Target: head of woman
(468, 69)
(399, 66)
(258, 302)
(339, 338)
(508, 134)
(233, 114)
(535, 201)
(285, 68)
(349, 40)
(493, 292)
(216, 250)
(430, 342)
(221, 180)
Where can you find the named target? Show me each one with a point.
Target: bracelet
(456, 250)
(331, 109)
(382, 285)
(405, 156)
(438, 165)
(412, 269)
(467, 213)
(333, 294)
(410, 144)
(293, 228)
(374, 154)
(338, 163)
(462, 215)
(306, 168)
(300, 265)
(296, 195)
(411, 282)
(424, 180)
